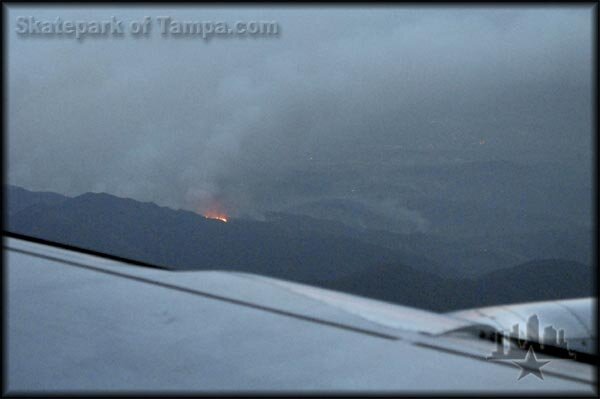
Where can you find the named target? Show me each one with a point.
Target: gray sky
(182, 121)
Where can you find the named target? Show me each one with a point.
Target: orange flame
(217, 216)
(213, 209)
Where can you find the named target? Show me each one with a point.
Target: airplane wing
(574, 316)
(84, 323)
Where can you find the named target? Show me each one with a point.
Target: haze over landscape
(389, 152)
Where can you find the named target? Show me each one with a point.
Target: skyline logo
(526, 351)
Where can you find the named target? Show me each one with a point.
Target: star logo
(531, 365)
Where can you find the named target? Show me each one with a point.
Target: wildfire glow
(217, 216)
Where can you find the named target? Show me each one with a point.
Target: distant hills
(377, 264)
(19, 198)
(533, 281)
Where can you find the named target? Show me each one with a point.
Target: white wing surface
(82, 323)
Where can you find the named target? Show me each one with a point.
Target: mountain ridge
(302, 250)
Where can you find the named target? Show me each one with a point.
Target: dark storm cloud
(256, 123)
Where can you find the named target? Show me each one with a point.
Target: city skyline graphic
(524, 351)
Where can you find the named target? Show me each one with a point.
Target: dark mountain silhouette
(540, 280)
(307, 250)
(18, 198)
(452, 256)
(544, 279)
(185, 240)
